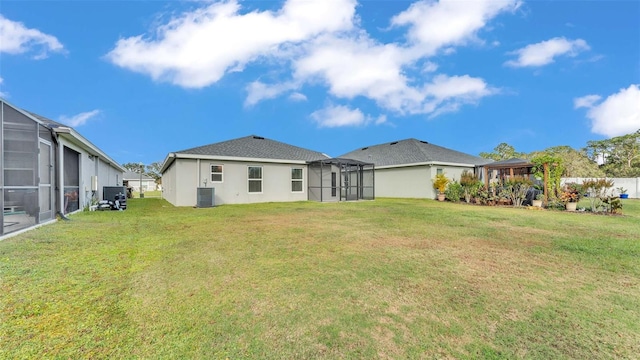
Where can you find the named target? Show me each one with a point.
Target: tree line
(615, 157)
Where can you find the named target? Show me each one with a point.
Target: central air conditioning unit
(206, 197)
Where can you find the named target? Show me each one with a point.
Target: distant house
(132, 180)
(406, 168)
(47, 168)
(250, 169)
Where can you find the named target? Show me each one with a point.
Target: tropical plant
(597, 190)
(454, 191)
(613, 204)
(440, 183)
(571, 192)
(470, 185)
(516, 189)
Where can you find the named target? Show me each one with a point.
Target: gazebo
(508, 169)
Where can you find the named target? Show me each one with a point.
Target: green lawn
(380, 279)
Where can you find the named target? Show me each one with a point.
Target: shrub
(516, 189)
(470, 185)
(454, 191)
(597, 191)
(440, 183)
(571, 192)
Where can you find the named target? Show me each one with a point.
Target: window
(296, 180)
(216, 173)
(439, 171)
(255, 179)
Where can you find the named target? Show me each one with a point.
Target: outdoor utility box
(206, 197)
(113, 193)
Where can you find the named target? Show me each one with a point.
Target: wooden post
(486, 177)
(546, 181)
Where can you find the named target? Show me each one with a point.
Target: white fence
(632, 185)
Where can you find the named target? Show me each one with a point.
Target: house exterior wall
(404, 182)
(181, 180)
(90, 166)
(169, 184)
(413, 181)
(107, 176)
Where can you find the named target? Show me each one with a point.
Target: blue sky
(143, 78)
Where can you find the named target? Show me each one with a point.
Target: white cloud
(382, 119)
(197, 48)
(338, 116)
(618, 114)
(15, 38)
(258, 91)
(448, 93)
(545, 52)
(296, 96)
(429, 67)
(586, 101)
(79, 119)
(321, 43)
(434, 25)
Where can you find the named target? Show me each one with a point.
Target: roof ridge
(419, 144)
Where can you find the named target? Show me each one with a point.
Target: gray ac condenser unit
(206, 197)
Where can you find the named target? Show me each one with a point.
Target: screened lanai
(341, 179)
(27, 172)
(46, 168)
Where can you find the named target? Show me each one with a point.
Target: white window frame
(301, 180)
(249, 180)
(213, 172)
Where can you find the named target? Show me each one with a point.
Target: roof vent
(258, 137)
(424, 142)
(393, 143)
(365, 148)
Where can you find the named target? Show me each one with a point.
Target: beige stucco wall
(184, 176)
(169, 184)
(90, 166)
(412, 181)
(404, 182)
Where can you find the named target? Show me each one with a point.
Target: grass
(389, 278)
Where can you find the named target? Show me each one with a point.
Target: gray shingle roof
(47, 122)
(411, 151)
(256, 147)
